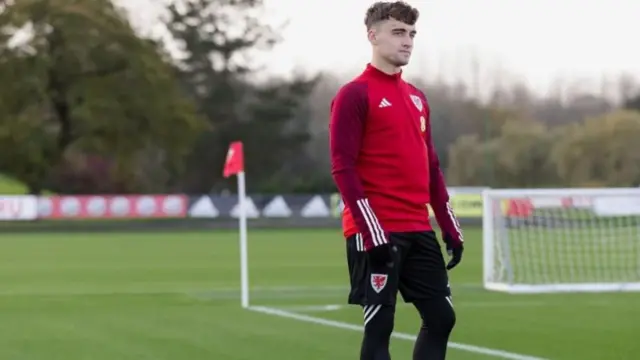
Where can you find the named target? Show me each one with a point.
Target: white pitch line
(346, 326)
(480, 304)
(314, 308)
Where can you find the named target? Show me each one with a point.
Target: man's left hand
(454, 249)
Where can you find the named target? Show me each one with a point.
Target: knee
(448, 319)
(438, 316)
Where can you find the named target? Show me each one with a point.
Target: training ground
(175, 295)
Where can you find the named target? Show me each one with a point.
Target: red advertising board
(519, 208)
(112, 207)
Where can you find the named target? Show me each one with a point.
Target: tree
(517, 157)
(218, 39)
(604, 150)
(466, 162)
(80, 86)
(633, 103)
(522, 156)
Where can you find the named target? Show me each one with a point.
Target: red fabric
(235, 159)
(381, 163)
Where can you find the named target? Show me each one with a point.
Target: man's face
(393, 41)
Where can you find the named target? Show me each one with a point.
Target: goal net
(561, 240)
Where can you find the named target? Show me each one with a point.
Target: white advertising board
(15, 208)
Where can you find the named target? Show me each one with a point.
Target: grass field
(176, 296)
(9, 186)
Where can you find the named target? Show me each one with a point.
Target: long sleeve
(349, 111)
(439, 194)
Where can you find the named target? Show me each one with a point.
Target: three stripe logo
(369, 312)
(377, 234)
(384, 103)
(454, 220)
(359, 242)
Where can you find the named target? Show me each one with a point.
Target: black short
(418, 272)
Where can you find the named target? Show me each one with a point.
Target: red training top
(383, 160)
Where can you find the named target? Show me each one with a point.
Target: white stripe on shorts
(370, 312)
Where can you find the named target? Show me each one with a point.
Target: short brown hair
(385, 10)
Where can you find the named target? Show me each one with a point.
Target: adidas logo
(384, 103)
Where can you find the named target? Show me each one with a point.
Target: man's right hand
(382, 254)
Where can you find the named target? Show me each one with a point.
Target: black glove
(382, 255)
(455, 250)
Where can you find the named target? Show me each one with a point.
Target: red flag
(235, 159)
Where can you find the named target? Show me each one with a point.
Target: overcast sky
(535, 40)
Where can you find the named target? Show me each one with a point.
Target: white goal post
(561, 240)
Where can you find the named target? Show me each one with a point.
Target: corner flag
(234, 165)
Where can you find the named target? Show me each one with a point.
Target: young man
(387, 171)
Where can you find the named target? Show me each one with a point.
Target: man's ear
(372, 36)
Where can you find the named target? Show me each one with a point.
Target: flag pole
(234, 165)
(244, 266)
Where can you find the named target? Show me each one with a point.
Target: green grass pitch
(175, 296)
